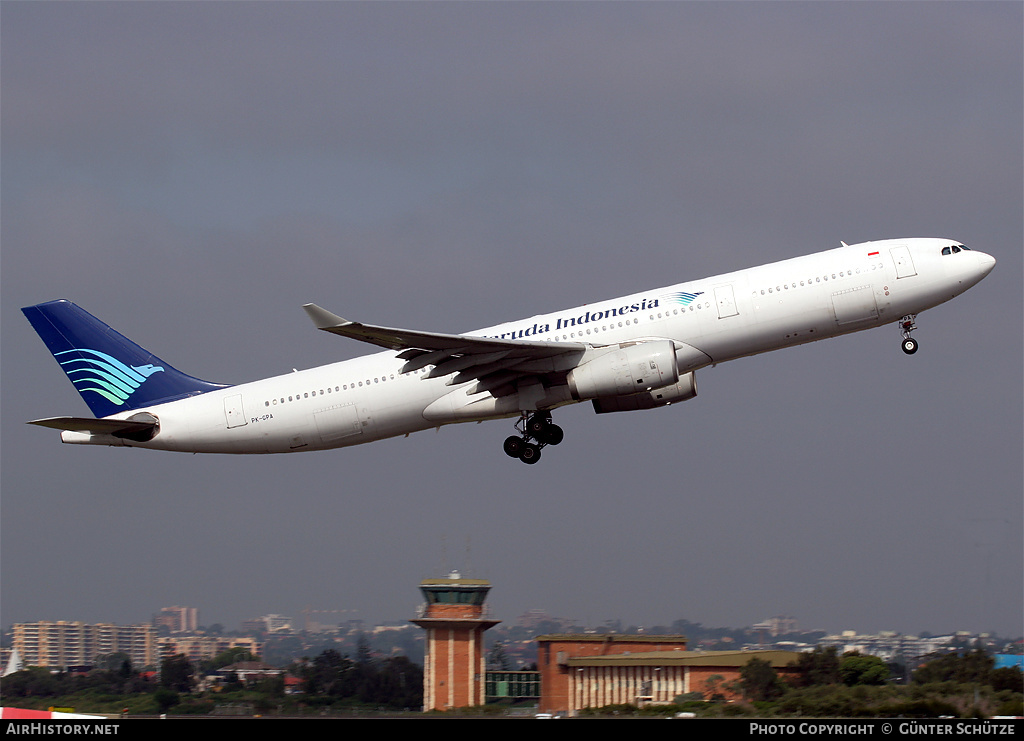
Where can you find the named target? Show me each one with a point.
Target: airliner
(636, 352)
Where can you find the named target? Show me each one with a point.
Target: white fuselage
(710, 321)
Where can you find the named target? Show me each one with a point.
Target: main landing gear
(907, 326)
(537, 428)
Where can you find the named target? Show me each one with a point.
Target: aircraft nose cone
(985, 263)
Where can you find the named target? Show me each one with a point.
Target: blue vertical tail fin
(111, 372)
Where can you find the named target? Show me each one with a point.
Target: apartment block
(63, 643)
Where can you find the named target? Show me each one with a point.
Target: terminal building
(583, 671)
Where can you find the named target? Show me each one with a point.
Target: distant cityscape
(279, 640)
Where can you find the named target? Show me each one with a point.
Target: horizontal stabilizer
(131, 429)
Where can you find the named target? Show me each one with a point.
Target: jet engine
(683, 389)
(629, 369)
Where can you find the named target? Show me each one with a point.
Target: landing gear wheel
(552, 435)
(537, 425)
(536, 431)
(530, 453)
(907, 325)
(513, 446)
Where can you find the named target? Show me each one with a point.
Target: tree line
(329, 681)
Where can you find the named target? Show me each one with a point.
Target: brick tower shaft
(453, 616)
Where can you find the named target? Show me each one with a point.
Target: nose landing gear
(537, 428)
(907, 326)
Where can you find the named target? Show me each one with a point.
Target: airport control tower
(453, 616)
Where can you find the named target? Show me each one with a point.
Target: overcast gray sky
(192, 173)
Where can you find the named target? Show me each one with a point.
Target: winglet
(324, 319)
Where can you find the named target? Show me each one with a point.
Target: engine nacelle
(630, 369)
(685, 388)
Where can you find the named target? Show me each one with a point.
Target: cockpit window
(947, 251)
(965, 247)
(954, 249)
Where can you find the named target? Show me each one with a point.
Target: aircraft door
(854, 305)
(337, 423)
(726, 301)
(233, 412)
(903, 261)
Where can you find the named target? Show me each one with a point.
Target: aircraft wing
(495, 363)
